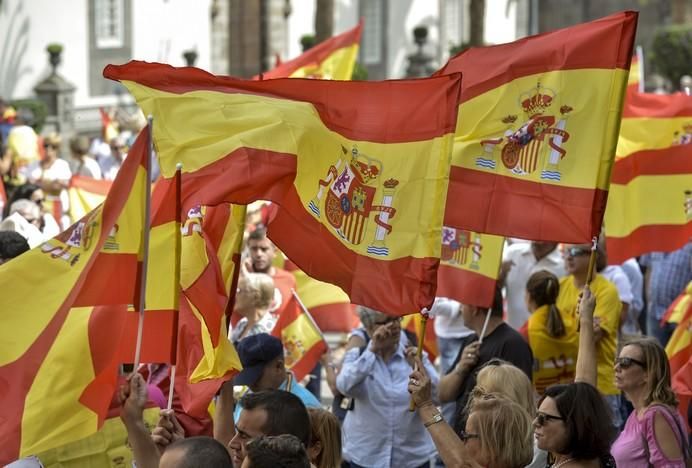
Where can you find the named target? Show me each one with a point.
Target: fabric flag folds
(303, 342)
(533, 151)
(469, 266)
(650, 201)
(64, 319)
(86, 194)
(333, 59)
(359, 169)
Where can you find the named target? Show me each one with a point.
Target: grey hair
(369, 316)
(24, 204)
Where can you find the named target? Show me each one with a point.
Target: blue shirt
(308, 399)
(669, 274)
(380, 431)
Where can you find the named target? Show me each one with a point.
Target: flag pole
(142, 277)
(419, 351)
(176, 275)
(485, 326)
(592, 260)
(235, 252)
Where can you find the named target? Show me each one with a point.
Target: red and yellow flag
(413, 323)
(680, 308)
(535, 144)
(359, 169)
(64, 320)
(109, 126)
(303, 342)
(333, 59)
(635, 80)
(86, 194)
(679, 347)
(650, 201)
(469, 266)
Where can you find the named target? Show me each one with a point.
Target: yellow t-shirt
(555, 359)
(608, 307)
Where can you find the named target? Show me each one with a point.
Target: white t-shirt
(110, 166)
(89, 168)
(59, 170)
(525, 265)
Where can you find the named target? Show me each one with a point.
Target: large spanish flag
(469, 266)
(332, 59)
(650, 201)
(86, 194)
(359, 169)
(303, 342)
(534, 148)
(64, 321)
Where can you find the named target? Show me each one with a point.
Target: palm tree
(324, 20)
(477, 20)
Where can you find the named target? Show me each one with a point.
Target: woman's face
(472, 441)
(549, 426)
(50, 151)
(630, 370)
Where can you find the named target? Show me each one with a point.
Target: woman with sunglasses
(654, 433)
(573, 422)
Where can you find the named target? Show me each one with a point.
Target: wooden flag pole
(176, 275)
(142, 286)
(485, 326)
(419, 351)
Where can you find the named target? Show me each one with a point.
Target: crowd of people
(567, 368)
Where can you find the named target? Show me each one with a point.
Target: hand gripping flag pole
(419, 351)
(146, 228)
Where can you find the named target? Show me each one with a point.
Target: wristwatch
(435, 419)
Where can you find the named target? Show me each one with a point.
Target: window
(109, 24)
(373, 32)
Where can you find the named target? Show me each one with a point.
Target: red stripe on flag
(100, 187)
(157, 337)
(673, 160)
(652, 105)
(583, 208)
(645, 239)
(584, 46)
(465, 286)
(416, 116)
(309, 360)
(335, 317)
(102, 288)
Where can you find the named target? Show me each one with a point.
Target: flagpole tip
(179, 166)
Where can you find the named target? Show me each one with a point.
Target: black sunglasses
(627, 362)
(577, 251)
(465, 436)
(542, 418)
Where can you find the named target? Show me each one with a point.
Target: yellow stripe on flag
(642, 133)
(338, 66)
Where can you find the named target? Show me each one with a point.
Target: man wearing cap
(379, 430)
(262, 356)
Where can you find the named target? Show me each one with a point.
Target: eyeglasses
(388, 321)
(465, 436)
(48, 145)
(577, 251)
(542, 418)
(627, 362)
(39, 201)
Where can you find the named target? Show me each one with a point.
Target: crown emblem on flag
(535, 101)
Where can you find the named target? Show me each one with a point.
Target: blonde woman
(252, 302)
(654, 434)
(325, 439)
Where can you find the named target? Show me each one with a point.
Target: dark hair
(543, 288)
(12, 244)
(259, 233)
(282, 451)
(23, 192)
(588, 419)
(496, 308)
(286, 414)
(79, 145)
(202, 452)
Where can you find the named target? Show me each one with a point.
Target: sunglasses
(627, 362)
(542, 418)
(577, 251)
(51, 146)
(465, 436)
(388, 321)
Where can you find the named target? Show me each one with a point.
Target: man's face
(577, 258)
(273, 375)
(248, 427)
(262, 254)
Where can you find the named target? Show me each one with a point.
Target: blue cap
(255, 352)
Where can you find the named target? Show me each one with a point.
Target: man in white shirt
(519, 262)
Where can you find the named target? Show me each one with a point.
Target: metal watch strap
(435, 419)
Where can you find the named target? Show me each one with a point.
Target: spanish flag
(359, 169)
(86, 194)
(635, 80)
(679, 347)
(109, 126)
(413, 323)
(533, 151)
(680, 308)
(333, 59)
(650, 201)
(469, 266)
(64, 321)
(303, 342)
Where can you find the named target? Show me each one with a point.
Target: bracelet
(435, 419)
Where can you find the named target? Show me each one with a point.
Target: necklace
(562, 462)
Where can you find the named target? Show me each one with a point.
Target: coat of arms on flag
(525, 146)
(460, 247)
(351, 190)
